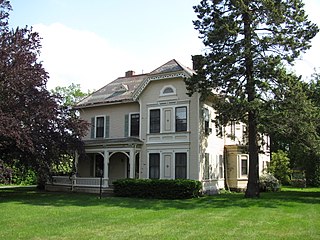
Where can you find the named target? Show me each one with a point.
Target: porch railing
(79, 181)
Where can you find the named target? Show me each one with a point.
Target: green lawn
(28, 214)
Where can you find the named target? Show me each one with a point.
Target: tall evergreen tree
(247, 42)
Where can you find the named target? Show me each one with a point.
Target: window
(206, 166)
(99, 127)
(244, 164)
(154, 165)
(181, 165)
(221, 170)
(155, 121)
(134, 124)
(206, 117)
(233, 130)
(181, 119)
(167, 91)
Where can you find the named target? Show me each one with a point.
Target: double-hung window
(99, 127)
(181, 165)
(154, 165)
(134, 124)
(206, 116)
(244, 165)
(155, 121)
(181, 119)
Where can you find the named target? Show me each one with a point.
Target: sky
(92, 43)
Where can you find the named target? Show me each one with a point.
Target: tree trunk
(253, 185)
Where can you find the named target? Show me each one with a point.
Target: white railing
(79, 181)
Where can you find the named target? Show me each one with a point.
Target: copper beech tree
(35, 129)
(247, 44)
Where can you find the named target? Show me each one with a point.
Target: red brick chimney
(130, 73)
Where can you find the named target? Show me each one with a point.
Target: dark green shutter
(107, 127)
(126, 125)
(92, 127)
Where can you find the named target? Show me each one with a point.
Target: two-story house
(146, 126)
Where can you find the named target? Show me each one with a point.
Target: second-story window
(155, 121)
(134, 124)
(206, 118)
(181, 119)
(99, 127)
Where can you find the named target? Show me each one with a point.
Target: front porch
(106, 160)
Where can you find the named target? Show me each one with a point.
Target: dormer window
(168, 91)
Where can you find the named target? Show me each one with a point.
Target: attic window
(167, 91)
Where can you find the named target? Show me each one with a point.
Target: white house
(146, 126)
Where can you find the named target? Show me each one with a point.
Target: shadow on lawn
(31, 196)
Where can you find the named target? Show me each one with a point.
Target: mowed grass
(28, 214)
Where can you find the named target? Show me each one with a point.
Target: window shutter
(126, 125)
(107, 126)
(92, 127)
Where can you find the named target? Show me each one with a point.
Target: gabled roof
(171, 69)
(128, 89)
(172, 66)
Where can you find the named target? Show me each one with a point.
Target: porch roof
(113, 141)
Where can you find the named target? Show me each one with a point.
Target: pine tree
(247, 44)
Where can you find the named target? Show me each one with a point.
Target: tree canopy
(34, 128)
(248, 43)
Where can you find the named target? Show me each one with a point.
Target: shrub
(298, 183)
(5, 173)
(268, 183)
(280, 166)
(157, 188)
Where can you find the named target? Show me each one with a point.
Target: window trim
(175, 118)
(149, 120)
(240, 158)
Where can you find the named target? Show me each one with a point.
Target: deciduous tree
(34, 129)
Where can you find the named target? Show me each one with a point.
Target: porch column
(106, 169)
(76, 161)
(131, 162)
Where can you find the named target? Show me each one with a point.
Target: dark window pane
(154, 165)
(100, 127)
(244, 166)
(181, 165)
(134, 124)
(181, 119)
(168, 90)
(155, 121)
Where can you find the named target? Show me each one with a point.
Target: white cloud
(85, 58)
(81, 57)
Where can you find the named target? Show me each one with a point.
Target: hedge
(157, 188)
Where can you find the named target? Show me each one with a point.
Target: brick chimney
(197, 62)
(130, 73)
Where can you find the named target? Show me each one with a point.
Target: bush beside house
(155, 188)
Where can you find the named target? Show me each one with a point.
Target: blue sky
(94, 42)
